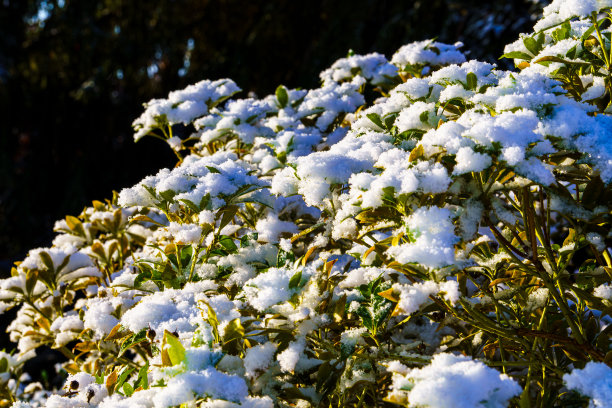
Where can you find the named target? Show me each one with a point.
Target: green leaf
(472, 81)
(424, 116)
(132, 340)
(173, 352)
(551, 58)
(167, 195)
(143, 378)
(234, 331)
(587, 33)
(150, 190)
(47, 261)
(248, 240)
(517, 55)
(124, 375)
(227, 243)
(562, 32)
(227, 215)
(3, 365)
(146, 218)
(234, 328)
(328, 376)
(294, 300)
(532, 45)
(205, 203)
(390, 120)
(324, 374)
(213, 169)
(284, 258)
(213, 320)
(295, 280)
(282, 96)
(31, 279)
(376, 120)
(592, 193)
(189, 204)
(128, 390)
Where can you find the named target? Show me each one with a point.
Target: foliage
(423, 231)
(65, 64)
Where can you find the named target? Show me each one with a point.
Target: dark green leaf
(205, 203)
(167, 195)
(390, 120)
(227, 215)
(189, 204)
(424, 116)
(248, 240)
(284, 258)
(47, 261)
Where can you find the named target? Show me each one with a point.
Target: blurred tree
(74, 74)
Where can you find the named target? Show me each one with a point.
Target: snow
(412, 297)
(603, 291)
(183, 106)
(289, 358)
(270, 228)
(435, 237)
(428, 52)
(470, 161)
(99, 317)
(400, 174)
(258, 358)
(594, 381)
(374, 67)
(185, 387)
(269, 288)
(452, 381)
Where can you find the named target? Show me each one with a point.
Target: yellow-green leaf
(173, 348)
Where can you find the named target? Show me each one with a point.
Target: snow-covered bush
(426, 231)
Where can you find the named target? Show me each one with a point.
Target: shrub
(423, 231)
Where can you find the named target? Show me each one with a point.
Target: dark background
(74, 75)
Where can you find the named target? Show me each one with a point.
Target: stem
(567, 314)
(501, 353)
(362, 397)
(606, 256)
(194, 259)
(602, 42)
(30, 303)
(67, 353)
